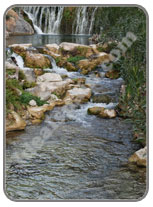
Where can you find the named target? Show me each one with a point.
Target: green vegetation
(26, 97)
(57, 60)
(116, 23)
(75, 59)
(16, 97)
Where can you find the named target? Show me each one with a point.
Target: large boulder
(16, 25)
(49, 77)
(139, 157)
(36, 60)
(17, 123)
(77, 95)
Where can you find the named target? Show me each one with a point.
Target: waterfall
(92, 20)
(48, 19)
(84, 21)
(45, 19)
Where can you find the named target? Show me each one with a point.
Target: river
(81, 156)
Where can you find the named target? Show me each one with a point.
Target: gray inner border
(147, 99)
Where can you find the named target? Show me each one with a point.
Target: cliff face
(16, 25)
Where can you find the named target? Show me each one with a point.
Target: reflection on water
(40, 40)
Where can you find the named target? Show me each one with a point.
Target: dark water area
(42, 39)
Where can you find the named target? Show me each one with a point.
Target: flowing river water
(80, 156)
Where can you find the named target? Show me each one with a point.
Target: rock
(112, 74)
(11, 66)
(59, 88)
(17, 124)
(38, 111)
(53, 97)
(53, 48)
(30, 75)
(107, 113)
(68, 46)
(32, 103)
(36, 60)
(139, 157)
(79, 81)
(102, 112)
(94, 110)
(87, 65)
(101, 98)
(20, 49)
(78, 95)
(37, 71)
(44, 96)
(16, 25)
(36, 121)
(70, 67)
(77, 49)
(49, 77)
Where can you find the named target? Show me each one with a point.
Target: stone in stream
(139, 157)
(16, 123)
(36, 60)
(101, 98)
(37, 112)
(49, 77)
(77, 95)
(102, 112)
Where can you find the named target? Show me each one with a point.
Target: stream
(73, 155)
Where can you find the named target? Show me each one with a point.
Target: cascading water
(84, 21)
(48, 19)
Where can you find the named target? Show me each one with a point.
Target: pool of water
(42, 39)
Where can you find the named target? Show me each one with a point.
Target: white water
(53, 17)
(37, 29)
(48, 19)
(55, 68)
